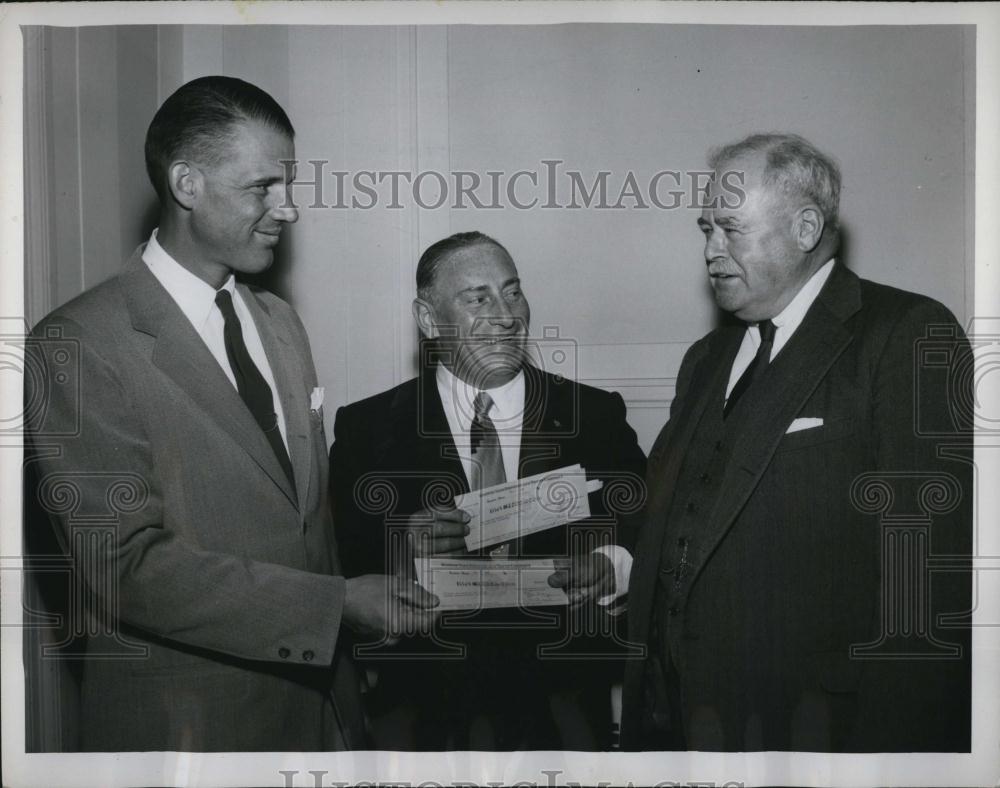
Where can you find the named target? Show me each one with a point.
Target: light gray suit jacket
(219, 582)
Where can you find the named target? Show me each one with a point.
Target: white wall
(894, 105)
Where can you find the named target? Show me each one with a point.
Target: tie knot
(224, 301)
(767, 329)
(482, 405)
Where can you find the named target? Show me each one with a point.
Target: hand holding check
(385, 607)
(438, 532)
(584, 577)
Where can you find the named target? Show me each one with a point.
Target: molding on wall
(969, 82)
(431, 119)
(638, 392)
(407, 154)
(38, 221)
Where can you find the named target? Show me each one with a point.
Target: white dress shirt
(785, 323)
(196, 299)
(506, 413)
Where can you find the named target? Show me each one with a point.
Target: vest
(701, 477)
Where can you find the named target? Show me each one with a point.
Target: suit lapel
(289, 378)
(770, 406)
(707, 388)
(420, 436)
(547, 417)
(182, 356)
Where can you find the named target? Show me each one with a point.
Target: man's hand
(385, 607)
(584, 577)
(438, 532)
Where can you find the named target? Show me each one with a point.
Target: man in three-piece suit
(194, 421)
(418, 441)
(777, 610)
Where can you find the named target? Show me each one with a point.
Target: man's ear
(184, 182)
(808, 227)
(423, 313)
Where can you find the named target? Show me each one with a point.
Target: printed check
(525, 506)
(480, 583)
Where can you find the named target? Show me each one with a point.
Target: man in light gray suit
(192, 412)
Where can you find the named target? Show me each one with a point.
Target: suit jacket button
(691, 507)
(705, 478)
(307, 656)
(284, 653)
(718, 445)
(673, 610)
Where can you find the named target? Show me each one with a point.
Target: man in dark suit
(397, 462)
(179, 447)
(778, 611)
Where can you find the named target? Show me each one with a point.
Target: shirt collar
(193, 295)
(792, 315)
(458, 397)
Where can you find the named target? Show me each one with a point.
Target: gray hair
(794, 165)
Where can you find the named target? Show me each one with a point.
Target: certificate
(480, 583)
(524, 506)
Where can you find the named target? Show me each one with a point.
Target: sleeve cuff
(621, 559)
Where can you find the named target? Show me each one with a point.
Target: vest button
(718, 445)
(705, 478)
(673, 610)
(682, 541)
(691, 507)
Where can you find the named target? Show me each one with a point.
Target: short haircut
(437, 253)
(199, 119)
(794, 165)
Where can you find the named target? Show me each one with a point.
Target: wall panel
(626, 285)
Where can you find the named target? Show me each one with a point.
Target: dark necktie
(254, 391)
(487, 457)
(752, 373)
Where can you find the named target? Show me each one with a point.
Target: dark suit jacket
(399, 440)
(755, 602)
(220, 580)
(393, 453)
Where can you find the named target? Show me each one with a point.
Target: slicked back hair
(437, 253)
(793, 166)
(199, 119)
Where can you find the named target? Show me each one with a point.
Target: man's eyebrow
(268, 178)
(481, 288)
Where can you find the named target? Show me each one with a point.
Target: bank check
(524, 506)
(479, 583)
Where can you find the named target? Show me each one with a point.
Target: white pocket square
(804, 424)
(316, 398)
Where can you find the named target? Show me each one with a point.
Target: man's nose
(715, 245)
(284, 209)
(502, 314)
